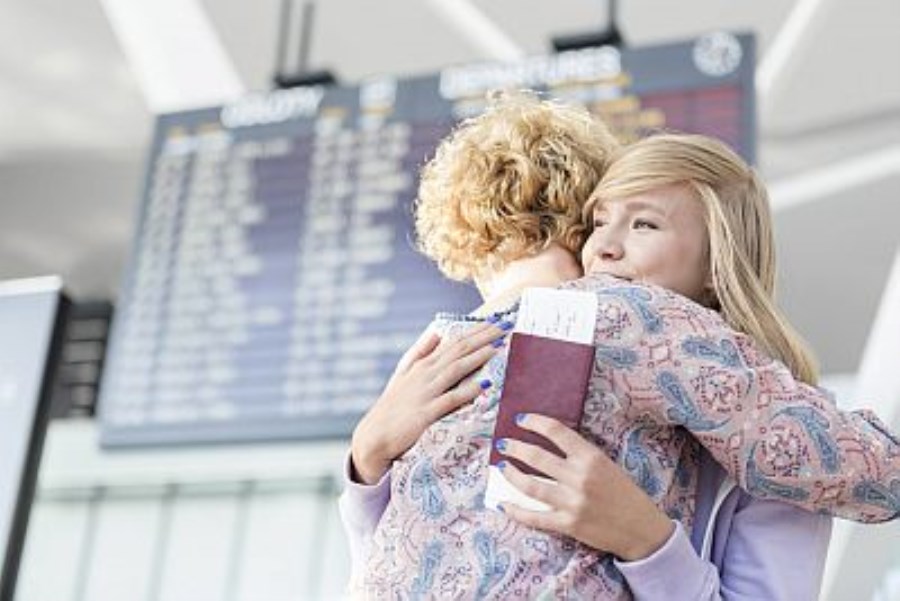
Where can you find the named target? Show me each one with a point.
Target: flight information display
(274, 280)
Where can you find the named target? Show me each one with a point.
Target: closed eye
(644, 224)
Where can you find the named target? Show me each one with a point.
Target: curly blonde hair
(741, 232)
(507, 183)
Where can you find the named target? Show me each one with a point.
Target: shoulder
(453, 325)
(653, 309)
(611, 288)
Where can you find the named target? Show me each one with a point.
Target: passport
(548, 369)
(543, 376)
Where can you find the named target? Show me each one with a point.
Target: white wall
(235, 523)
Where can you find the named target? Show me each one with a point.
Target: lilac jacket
(760, 550)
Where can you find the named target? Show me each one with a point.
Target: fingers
(437, 368)
(541, 520)
(461, 357)
(477, 339)
(457, 397)
(421, 348)
(536, 488)
(480, 336)
(536, 457)
(448, 375)
(539, 489)
(568, 440)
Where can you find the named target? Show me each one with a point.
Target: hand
(593, 499)
(422, 390)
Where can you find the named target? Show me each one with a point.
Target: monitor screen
(274, 280)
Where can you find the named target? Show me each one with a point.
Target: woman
(594, 502)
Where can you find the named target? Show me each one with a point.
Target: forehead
(666, 200)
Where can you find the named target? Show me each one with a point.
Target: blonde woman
(680, 258)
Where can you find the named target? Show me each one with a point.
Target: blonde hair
(739, 222)
(507, 183)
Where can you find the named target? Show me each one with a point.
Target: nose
(606, 245)
(611, 251)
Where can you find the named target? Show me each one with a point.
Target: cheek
(691, 265)
(586, 252)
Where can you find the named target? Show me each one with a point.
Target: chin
(615, 275)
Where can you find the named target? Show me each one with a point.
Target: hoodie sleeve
(361, 507)
(765, 551)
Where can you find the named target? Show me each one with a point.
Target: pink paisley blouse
(668, 377)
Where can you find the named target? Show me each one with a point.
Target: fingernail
(494, 318)
(506, 325)
(501, 465)
(520, 417)
(500, 508)
(499, 342)
(500, 444)
(485, 384)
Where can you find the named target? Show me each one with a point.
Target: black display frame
(35, 437)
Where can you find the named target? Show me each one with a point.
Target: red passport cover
(546, 376)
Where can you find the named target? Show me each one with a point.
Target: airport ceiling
(75, 119)
(66, 85)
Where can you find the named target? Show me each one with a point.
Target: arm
(422, 389)
(680, 364)
(425, 387)
(360, 507)
(762, 550)
(674, 571)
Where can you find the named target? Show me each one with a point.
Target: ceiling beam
(825, 182)
(174, 52)
(481, 32)
(785, 51)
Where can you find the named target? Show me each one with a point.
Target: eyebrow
(635, 206)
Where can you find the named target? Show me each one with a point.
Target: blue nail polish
(501, 465)
(506, 325)
(500, 508)
(494, 318)
(520, 417)
(500, 444)
(499, 342)
(485, 384)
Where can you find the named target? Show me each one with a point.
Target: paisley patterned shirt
(669, 375)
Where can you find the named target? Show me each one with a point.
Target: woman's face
(659, 237)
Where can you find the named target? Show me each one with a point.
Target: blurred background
(83, 84)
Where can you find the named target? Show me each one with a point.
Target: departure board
(274, 280)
